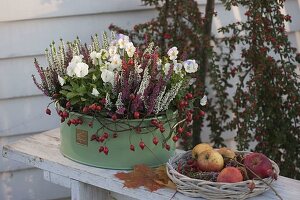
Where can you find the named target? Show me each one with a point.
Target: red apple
(230, 175)
(210, 161)
(259, 164)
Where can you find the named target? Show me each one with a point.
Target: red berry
(105, 150)
(188, 134)
(91, 124)
(162, 129)
(202, 113)
(65, 114)
(154, 122)
(167, 147)
(189, 95)
(85, 109)
(68, 104)
(105, 135)
(101, 149)
(155, 140)
(101, 139)
(130, 62)
(62, 120)
(114, 117)
(69, 122)
(142, 145)
(182, 104)
(131, 147)
(79, 121)
(94, 137)
(175, 138)
(48, 111)
(98, 108)
(180, 130)
(136, 115)
(190, 162)
(93, 107)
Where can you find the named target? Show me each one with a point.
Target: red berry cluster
(158, 124)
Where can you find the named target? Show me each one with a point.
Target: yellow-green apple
(230, 175)
(259, 164)
(226, 152)
(210, 161)
(199, 148)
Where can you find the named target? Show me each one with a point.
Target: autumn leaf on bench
(152, 179)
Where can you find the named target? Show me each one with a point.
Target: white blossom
(122, 40)
(116, 62)
(130, 49)
(104, 54)
(81, 70)
(73, 65)
(172, 53)
(77, 59)
(61, 80)
(95, 92)
(203, 101)
(190, 66)
(112, 50)
(166, 68)
(93, 56)
(107, 76)
(177, 67)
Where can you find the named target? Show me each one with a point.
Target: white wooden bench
(90, 183)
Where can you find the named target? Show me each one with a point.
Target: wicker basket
(213, 190)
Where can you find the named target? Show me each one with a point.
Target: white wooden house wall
(26, 29)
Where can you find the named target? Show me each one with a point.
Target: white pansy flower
(93, 56)
(77, 59)
(116, 62)
(167, 68)
(190, 66)
(177, 67)
(95, 92)
(122, 40)
(81, 69)
(61, 80)
(172, 53)
(70, 69)
(130, 49)
(203, 101)
(112, 50)
(107, 76)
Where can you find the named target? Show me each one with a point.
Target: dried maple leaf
(145, 176)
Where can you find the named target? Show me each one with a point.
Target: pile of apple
(225, 165)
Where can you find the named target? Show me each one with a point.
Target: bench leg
(83, 191)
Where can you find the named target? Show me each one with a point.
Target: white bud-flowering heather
(122, 40)
(61, 80)
(145, 82)
(95, 43)
(203, 101)
(169, 96)
(108, 103)
(172, 53)
(130, 49)
(95, 92)
(119, 103)
(107, 76)
(159, 64)
(158, 102)
(81, 70)
(190, 66)
(105, 41)
(138, 69)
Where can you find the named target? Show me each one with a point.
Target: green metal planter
(76, 143)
